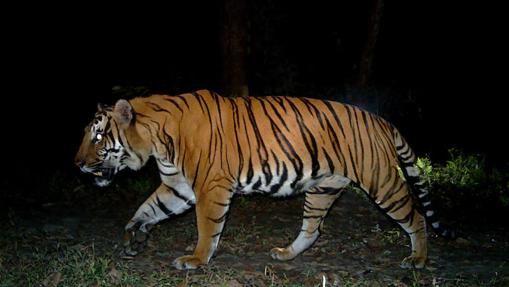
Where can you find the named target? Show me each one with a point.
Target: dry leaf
(52, 280)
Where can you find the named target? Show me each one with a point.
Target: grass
(24, 261)
(33, 259)
(61, 264)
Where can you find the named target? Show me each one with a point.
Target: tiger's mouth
(105, 173)
(104, 176)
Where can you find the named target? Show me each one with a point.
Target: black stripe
(177, 193)
(196, 172)
(356, 131)
(356, 176)
(284, 176)
(157, 108)
(335, 115)
(257, 184)
(329, 160)
(276, 112)
(306, 133)
(153, 210)
(219, 219)
(181, 97)
(398, 204)
(163, 207)
(261, 149)
(175, 104)
(235, 118)
(250, 172)
(168, 174)
(323, 190)
(198, 99)
(408, 219)
(281, 102)
(335, 146)
(221, 204)
(307, 205)
(290, 153)
(311, 107)
(395, 189)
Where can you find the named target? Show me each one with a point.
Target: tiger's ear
(123, 112)
(100, 107)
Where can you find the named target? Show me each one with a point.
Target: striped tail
(407, 159)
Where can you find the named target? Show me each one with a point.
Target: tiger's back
(276, 145)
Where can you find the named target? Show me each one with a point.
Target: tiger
(209, 148)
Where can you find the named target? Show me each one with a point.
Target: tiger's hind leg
(317, 203)
(395, 199)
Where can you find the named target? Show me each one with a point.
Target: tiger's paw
(134, 242)
(413, 262)
(282, 254)
(188, 262)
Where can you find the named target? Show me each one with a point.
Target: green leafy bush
(463, 171)
(465, 177)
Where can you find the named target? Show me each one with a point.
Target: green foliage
(462, 171)
(391, 236)
(426, 169)
(466, 174)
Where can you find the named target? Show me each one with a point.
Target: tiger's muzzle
(103, 176)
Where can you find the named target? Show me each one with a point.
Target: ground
(79, 244)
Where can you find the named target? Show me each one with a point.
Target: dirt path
(359, 247)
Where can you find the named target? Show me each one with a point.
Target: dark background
(438, 65)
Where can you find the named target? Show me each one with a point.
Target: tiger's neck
(156, 129)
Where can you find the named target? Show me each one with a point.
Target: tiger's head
(111, 143)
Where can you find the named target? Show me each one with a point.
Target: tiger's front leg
(165, 201)
(211, 210)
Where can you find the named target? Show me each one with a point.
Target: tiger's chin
(102, 182)
(104, 177)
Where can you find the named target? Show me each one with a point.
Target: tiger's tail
(407, 160)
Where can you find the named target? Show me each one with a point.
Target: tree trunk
(366, 62)
(235, 48)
